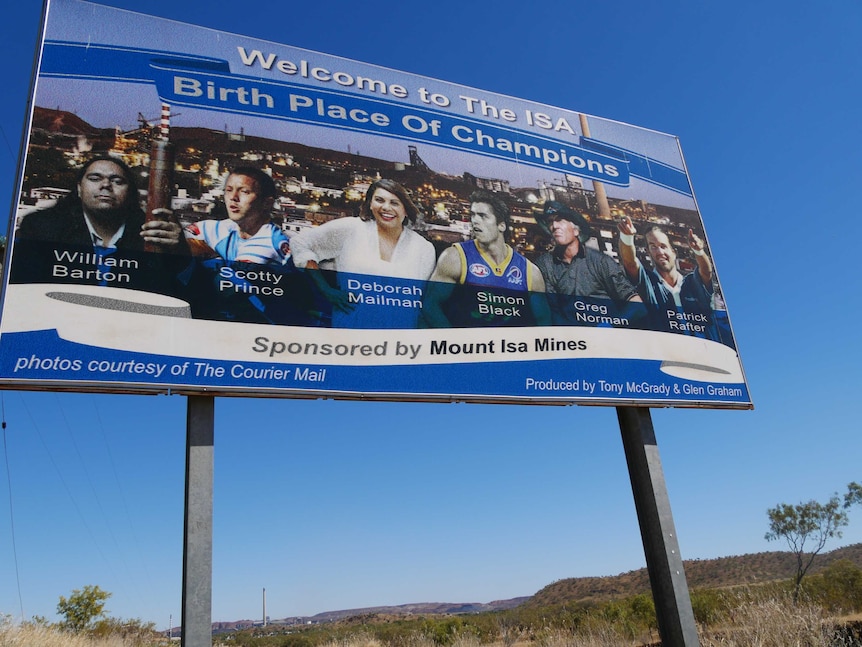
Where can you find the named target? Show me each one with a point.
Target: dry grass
(360, 639)
(751, 622)
(773, 622)
(29, 635)
(597, 635)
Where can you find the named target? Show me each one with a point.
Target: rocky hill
(700, 573)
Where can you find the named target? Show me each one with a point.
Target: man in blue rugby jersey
(222, 286)
(247, 235)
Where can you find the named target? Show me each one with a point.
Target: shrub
(839, 587)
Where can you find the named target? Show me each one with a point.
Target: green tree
(82, 608)
(853, 496)
(806, 525)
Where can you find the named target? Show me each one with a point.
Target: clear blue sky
(333, 505)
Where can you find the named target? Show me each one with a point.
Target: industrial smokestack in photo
(161, 182)
(601, 195)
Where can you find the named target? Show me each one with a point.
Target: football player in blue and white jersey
(247, 235)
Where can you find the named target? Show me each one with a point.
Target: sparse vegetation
(772, 622)
(806, 527)
(766, 617)
(83, 625)
(722, 572)
(762, 613)
(41, 634)
(754, 614)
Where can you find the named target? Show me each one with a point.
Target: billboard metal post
(664, 563)
(198, 532)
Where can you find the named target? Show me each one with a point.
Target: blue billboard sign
(201, 212)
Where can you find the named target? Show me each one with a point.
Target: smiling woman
(378, 243)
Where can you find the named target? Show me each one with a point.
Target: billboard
(203, 212)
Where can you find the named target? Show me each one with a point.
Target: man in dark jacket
(101, 211)
(97, 235)
(585, 286)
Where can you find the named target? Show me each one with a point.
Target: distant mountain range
(60, 123)
(701, 573)
(369, 613)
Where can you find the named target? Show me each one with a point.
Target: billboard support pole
(664, 563)
(198, 527)
(599, 187)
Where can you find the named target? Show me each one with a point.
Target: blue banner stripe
(574, 380)
(207, 83)
(295, 102)
(643, 167)
(88, 61)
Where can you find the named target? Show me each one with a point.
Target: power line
(11, 512)
(94, 542)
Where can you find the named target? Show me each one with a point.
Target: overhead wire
(86, 471)
(66, 487)
(128, 580)
(6, 141)
(11, 507)
(122, 494)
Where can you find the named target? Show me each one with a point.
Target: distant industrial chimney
(161, 181)
(165, 122)
(264, 607)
